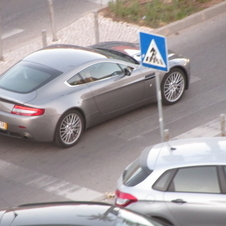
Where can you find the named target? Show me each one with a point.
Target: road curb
(192, 20)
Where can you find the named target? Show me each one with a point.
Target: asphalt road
(33, 172)
(26, 19)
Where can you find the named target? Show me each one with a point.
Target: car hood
(136, 54)
(131, 49)
(55, 214)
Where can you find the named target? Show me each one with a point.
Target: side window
(163, 182)
(196, 179)
(123, 66)
(76, 80)
(135, 174)
(96, 72)
(104, 70)
(127, 69)
(225, 171)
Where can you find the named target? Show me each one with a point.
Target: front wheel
(173, 86)
(69, 129)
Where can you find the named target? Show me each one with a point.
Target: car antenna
(170, 147)
(15, 215)
(10, 208)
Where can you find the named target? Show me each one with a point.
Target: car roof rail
(64, 203)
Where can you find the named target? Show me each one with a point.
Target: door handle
(179, 201)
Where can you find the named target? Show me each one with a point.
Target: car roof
(73, 213)
(188, 152)
(64, 57)
(58, 213)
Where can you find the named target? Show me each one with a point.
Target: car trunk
(8, 99)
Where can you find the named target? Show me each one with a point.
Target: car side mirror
(128, 71)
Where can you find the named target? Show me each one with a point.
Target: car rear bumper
(37, 128)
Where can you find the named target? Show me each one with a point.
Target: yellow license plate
(3, 125)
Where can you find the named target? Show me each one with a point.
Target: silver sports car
(55, 93)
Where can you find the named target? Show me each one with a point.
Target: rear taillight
(124, 199)
(27, 111)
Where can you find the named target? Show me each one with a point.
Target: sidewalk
(82, 32)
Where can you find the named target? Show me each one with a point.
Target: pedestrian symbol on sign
(153, 55)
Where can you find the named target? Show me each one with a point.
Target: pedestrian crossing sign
(154, 52)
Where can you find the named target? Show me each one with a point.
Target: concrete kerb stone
(192, 20)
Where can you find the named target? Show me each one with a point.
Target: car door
(149, 84)
(195, 197)
(115, 87)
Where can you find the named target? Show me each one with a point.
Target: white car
(179, 182)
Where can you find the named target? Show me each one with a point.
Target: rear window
(135, 174)
(26, 77)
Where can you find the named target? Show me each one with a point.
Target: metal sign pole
(52, 20)
(96, 26)
(159, 99)
(1, 50)
(154, 54)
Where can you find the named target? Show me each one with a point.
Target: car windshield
(116, 55)
(26, 77)
(135, 173)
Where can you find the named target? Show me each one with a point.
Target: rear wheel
(173, 86)
(69, 129)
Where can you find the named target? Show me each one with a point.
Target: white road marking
(47, 183)
(74, 192)
(11, 32)
(135, 130)
(194, 79)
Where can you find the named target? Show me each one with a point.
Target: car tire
(173, 86)
(69, 129)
